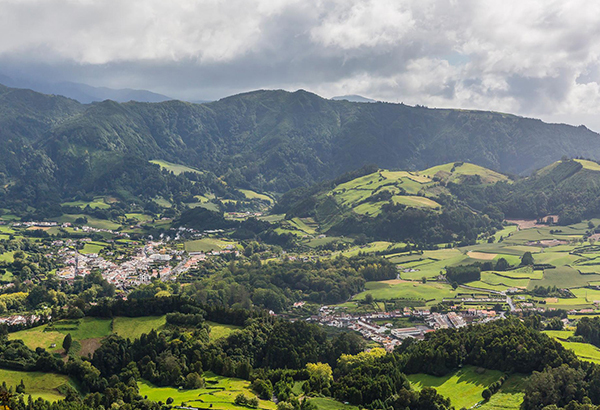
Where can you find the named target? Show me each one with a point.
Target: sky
(532, 58)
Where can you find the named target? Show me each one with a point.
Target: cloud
(535, 58)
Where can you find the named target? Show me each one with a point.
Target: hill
(263, 140)
(568, 188)
(396, 205)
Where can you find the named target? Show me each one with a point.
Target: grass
(510, 396)
(207, 245)
(174, 168)
(7, 257)
(589, 164)
(399, 289)
(416, 201)
(463, 387)
(93, 247)
(584, 351)
(139, 217)
(44, 385)
(92, 221)
(133, 327)
(88, 328)
(218, 331)
(255, 195)
(564, 277)
(36, 337)
(221, 395)
(326, 403)
(487, 175)
(96, 203)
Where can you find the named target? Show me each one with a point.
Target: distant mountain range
(262, 140)
(84, 93)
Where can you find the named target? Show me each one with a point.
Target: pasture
(510, 396)
(133, 327)
(44, 385)
(97, 203)
(219, 393)
(174, 168)
(218, 331)
(463, 387)
(432, 292)
(209, 244)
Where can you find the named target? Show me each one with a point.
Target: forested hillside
(263, 140)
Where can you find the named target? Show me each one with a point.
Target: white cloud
(532, 58)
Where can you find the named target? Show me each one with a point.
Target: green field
(219, 394)
(93, 222)
(134, 327)
(510, 396)
(487, 175)
(584, 351)
(93, 247)
(98, 202)
(86, 333)
(218, 330)
(326, 403)
(463, 387)
(416, 201)
(255, 195)
(208, 245)
(44, 385)
(432, 292)
(174, 168)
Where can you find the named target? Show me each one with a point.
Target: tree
(67, 342)
(486, 394)
(253, 402)
(502, 264)
(5, 398)
(241, 400)
(527, 259)
(193, 381)
(368, 299)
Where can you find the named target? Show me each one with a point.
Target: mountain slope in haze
(84, 93)
(353, 98)
(276, 140)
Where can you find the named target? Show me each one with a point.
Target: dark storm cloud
(532, 58)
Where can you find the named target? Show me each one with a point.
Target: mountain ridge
(272, 140)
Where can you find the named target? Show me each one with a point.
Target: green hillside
(54, 148)
(395, 205)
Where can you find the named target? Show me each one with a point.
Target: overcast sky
(533, 58)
